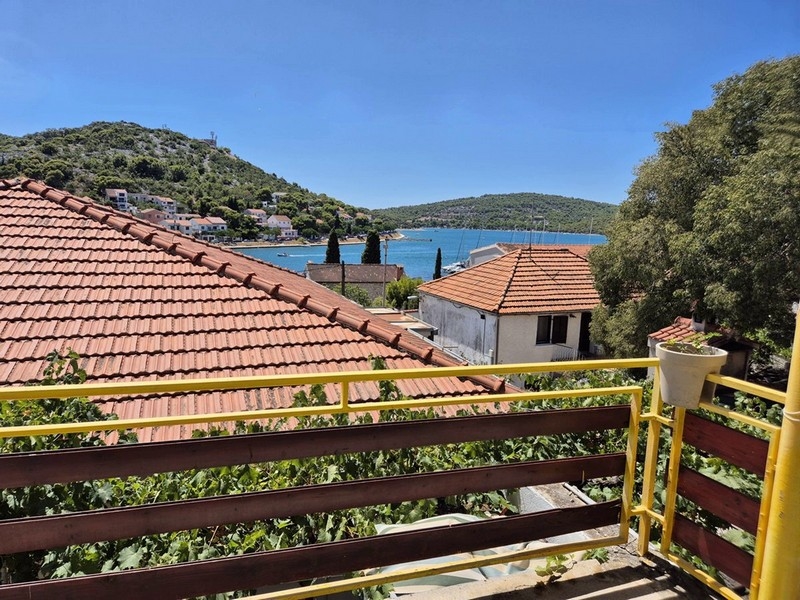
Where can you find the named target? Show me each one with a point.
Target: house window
(543, 330)
(552, 329)
(560, 329)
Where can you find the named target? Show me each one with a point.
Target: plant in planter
(684, 366)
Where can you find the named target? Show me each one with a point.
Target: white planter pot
(683, 375)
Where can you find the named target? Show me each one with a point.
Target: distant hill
(196, 173)
(506, 211)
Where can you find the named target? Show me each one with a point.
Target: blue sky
(387, 103)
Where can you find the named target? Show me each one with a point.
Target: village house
(153, 215)
(258, 214)
(137, 302)
(529, 305)
(206, 227)
(373, 278)
(117, 197)
(283, 223)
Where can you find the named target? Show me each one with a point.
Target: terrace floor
(625, 576)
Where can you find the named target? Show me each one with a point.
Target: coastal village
(181, 419)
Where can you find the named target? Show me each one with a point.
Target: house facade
(118, 198)
(259, 214)
(153, 215)
(283, 223)
(529, 305)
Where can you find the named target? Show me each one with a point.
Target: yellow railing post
(781, 566)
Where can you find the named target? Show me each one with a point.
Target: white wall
(461, 330)
(481, 255)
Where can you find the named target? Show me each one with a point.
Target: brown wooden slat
(320, 560)
(81, 464)
(729, 504)
(713, 550)
(56, 531)
(733, 446)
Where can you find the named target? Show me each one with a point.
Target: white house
(529, 305)
(283, 223)
(118, 198)
(208, 225)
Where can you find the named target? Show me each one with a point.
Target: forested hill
(197, 174)
(507, 211)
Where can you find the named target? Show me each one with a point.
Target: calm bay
(416, 251)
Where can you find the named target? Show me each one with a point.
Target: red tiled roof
(140, 302)
(579, 249)
(525, 281)
(681, 331)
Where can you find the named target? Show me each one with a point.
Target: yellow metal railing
(654, 418)
(344, 380)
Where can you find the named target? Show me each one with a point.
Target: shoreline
(393, 236)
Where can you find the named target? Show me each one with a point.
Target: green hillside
(198, 175)
(506, 211)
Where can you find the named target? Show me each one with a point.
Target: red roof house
(140, 302)
(530, 305)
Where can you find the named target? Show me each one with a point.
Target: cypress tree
(437, 268)
(372, 249)
(332, 253)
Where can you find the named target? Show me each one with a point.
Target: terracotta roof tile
(681, 330)
(528, 280)
(140, 302)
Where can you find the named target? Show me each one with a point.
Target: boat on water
(454, 267)
(283, 254)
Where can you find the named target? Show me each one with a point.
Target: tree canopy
(397, 292)
(711, 220)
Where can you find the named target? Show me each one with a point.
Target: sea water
(416, 251)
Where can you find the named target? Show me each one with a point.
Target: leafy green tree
(264, 195)
(147, 166)
(710, 222)
(332, 255)
(355, 293)
(372, 249)
(437, 267)
(397, 292)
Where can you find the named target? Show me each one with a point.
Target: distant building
(206, 227)
(184, 226)
(283, 223)
(259, 215)
(165, 204)
(530, 305)
(118, 198)
(153, 215)
(370, 277)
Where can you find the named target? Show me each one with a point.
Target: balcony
(642, 426)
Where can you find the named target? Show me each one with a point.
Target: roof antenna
(530, 230)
